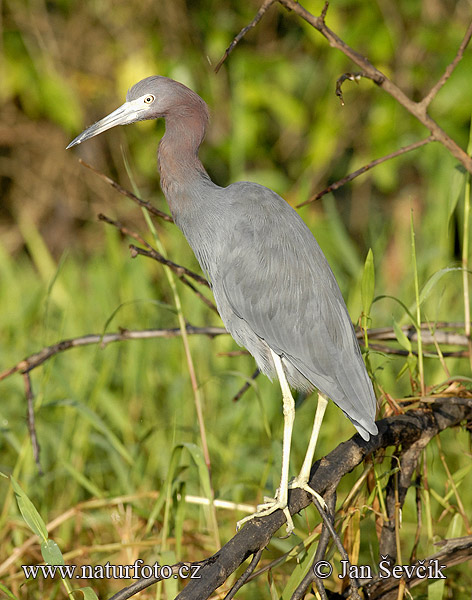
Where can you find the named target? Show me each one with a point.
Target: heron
(274, 289)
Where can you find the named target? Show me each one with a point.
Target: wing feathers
(275, 278)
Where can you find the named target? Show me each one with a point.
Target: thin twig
(454, 551)
(143, 203)
(135, 251)
(323, 542)
(35, 360)
(245, 576)
(401, 352)
(179, 270)
(449, 69)
(31, 420)
(441, 333)
(367, 167)
(346, 76)
(419, 516)
(246, 386)
(260, 13)
(417, 109)
(142, 584)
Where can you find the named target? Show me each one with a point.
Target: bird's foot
(269, 506)
(302, 483)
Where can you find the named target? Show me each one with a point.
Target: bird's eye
(149, 99)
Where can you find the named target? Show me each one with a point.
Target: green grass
(109, 420)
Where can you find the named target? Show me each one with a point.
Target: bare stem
(449, 69)
(367, 167)
(124, 192)
(260, 13)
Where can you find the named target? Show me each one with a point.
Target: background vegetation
(108, 420)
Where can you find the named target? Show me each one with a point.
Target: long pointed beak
(123, 115)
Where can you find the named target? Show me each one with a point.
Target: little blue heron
(273, 286)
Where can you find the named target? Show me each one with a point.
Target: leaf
(88, 593)
(7, 592)
(436, 590)
(51, 553)
(179, 519)
(299, 572)
(368, 283)
(28, 511)
(99, 424)
(435, 277)
(274, 594)
(401, 337)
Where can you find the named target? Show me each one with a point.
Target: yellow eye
(149, 99)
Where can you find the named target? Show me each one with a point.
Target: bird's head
(150, 98)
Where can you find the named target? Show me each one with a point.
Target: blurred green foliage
(109, 419)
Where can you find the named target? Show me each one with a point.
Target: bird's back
(274, 289)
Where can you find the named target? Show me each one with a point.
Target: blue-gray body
(275, 289)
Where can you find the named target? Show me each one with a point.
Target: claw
(269, 506)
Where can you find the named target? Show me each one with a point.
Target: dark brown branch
(417, 109)
(406, 429)
(260, 13)
(397, 487)
(367, 167)
(143, 203)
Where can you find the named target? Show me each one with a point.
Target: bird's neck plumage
(179, 166)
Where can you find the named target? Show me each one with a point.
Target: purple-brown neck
(179, 165)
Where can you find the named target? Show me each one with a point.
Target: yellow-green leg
(281, 497)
